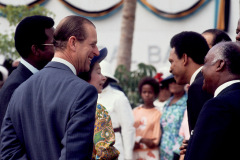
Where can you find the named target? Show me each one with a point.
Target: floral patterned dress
(171, 120)
(104, 137)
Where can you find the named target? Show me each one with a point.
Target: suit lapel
(199, 75)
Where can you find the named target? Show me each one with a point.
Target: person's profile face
(238, 32)
(97, 79)
(177, 67)
(46, 50)
(175, 88)
(208, 72)
(49, 47)
(87, 49)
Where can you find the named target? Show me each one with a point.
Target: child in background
(147, 122)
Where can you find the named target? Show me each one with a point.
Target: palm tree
(124, 56)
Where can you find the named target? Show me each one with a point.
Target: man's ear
(185, 59)
(220, 65)
(72, 42)
(35, 49)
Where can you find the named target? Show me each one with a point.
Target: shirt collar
(195, 74)
(29, 66)
(60, 60)
(224, 85)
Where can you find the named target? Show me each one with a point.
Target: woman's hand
(148, 142)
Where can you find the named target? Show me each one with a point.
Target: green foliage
(129, 80)
(7, 45)
(14, 14)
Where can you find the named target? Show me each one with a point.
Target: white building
(152, 31)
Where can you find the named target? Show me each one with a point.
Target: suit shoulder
(230, 97)
(227, 101)
(81, 83)
(13, 82)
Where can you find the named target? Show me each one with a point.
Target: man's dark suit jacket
(50, 116)
(217, 135)
(17, 77)
(196, 99)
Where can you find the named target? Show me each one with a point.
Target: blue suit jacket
(217, 135)
(17, 77)
(50, 116)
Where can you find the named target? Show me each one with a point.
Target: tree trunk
(125, 47)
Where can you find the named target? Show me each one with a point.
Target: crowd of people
(62, 101)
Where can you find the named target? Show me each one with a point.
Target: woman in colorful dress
(147, 122)
(104, 137)
(171, 120)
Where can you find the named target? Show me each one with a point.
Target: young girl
(147, 122)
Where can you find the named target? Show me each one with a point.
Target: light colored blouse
(147, 124)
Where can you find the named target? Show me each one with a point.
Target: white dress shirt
(195, 74)
(56, 59)
(192, 80)
(29, 66)
(121, 114)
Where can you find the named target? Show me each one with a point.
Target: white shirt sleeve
(126, 120)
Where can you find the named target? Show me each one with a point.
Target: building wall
(152, 33)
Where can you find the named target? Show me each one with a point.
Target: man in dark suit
(33, 41)
(216, 134)
(186, 58)
(51, 115)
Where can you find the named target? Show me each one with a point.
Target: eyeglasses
(47, 44)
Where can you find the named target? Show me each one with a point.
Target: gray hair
(218, 54)
(229, 52)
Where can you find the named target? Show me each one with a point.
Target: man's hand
(183, 147)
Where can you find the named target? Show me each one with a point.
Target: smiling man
(187, 57)
(52, 114)
(216, 134)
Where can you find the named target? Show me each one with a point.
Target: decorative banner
(173, 9)
(4, 3)
(93, 9)
(222, 14)
(167, 9)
